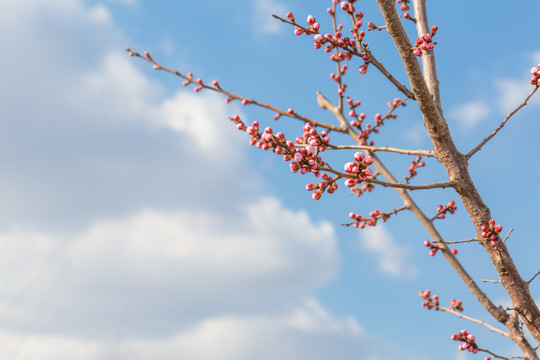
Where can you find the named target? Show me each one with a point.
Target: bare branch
(428, 153)
(530, 281)
(492, 281)
(442, 185)
(508, 235)
(461, 241)
(476, 321)
(477, 148)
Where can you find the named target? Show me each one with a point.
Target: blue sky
(136, 222)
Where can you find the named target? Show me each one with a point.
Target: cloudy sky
(136, 222)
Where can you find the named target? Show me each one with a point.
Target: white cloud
(512, 92)
(392, 259)
(263, 21)
(191, 114)
(197, 261)
(318, 336)
(470, 114)
(230, 286)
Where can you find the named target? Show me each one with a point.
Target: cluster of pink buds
(425, 42)
(347, 6)
(412, 169)
(313, 23)
(491, 232)
(361, 222)
(535, 71)
(306, 160)
(327, 184)
(433, 248)
(456, 305)
(468, 341)
(352, 113)
(429, 301)
(312, 137)
(443, 209)
(359, 169)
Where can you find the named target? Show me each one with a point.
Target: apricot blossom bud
(290, 16)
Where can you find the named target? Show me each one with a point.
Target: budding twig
(372, 58)
(191, 80)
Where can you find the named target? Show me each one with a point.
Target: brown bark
(457, 167)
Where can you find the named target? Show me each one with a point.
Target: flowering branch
(355, 52)
(231, 96)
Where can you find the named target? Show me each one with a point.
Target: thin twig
(508, 235)
(535, 275)
(498, 356)
(368, 53)
(461, 241)
(442, 185)
(476, 149)
(428, 153)
(476, 321)
(492, 281)
(281, 112)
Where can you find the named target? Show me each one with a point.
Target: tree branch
(442, 185)
(428, 153)
(477, 148)
(218, 89)
(476, 321)
(368, 53)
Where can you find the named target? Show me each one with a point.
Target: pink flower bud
(298, 157)
(491, 223)
(290, 16)
(316, 195)
(498, 228)
(368, 160)
(454, 251)
(294, 166)
(310, 20)
(358, 156)
(485, 228)
(345, 6)
(470, 337)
